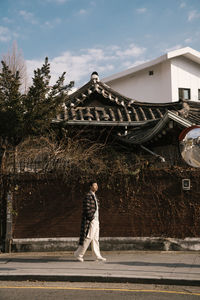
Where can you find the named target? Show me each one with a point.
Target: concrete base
(107, 244)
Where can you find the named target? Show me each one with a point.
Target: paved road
(85, 291)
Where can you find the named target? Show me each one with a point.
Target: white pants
(93, 238)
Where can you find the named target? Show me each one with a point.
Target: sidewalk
(177, 268)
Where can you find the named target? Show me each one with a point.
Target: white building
(171, 77)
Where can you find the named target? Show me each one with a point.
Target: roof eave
(103, 123)
(158, 127)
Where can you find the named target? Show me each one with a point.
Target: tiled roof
(97, 104)
(142, 134)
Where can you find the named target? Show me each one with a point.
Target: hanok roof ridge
(93, 86)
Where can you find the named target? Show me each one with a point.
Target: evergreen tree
(11, 106)
(43, 102)
(22, 115)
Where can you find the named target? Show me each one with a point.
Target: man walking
(90, 225)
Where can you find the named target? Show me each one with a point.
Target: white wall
(142, 87)
(185, 74)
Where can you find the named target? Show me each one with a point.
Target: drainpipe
(153, 153)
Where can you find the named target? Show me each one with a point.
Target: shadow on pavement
(35, 260)
(167, 265)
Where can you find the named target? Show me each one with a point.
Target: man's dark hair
(91, 182)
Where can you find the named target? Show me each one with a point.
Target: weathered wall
(150, 203)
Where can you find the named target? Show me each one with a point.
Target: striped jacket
(89, 208)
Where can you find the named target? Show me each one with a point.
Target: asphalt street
(82, 291)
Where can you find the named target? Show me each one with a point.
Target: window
(198, 94)
(151, 73)
(184, 94)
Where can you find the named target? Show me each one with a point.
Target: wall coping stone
(107, 244)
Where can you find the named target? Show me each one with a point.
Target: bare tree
(15, 61)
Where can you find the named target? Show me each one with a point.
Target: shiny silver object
(189, 143)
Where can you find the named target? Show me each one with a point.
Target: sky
(107, 36)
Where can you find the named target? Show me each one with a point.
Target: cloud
(132, 50)
(28, 16)
(82, 12)
(141, 10)
(176, 47)
(60, 1)
(5, 34)
(130, 64)
(182, 5)
(93, 3)
(56, 1)
(51, 24)
(194, 14)
(96, 53)
(7, 20)
(79, 65)
(188, 40)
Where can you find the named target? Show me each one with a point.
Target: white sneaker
(79, 258)
(101, 258)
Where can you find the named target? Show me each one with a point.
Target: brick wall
(151, 204)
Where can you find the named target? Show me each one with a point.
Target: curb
(109, 279)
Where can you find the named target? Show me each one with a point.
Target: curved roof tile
(97, 103)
